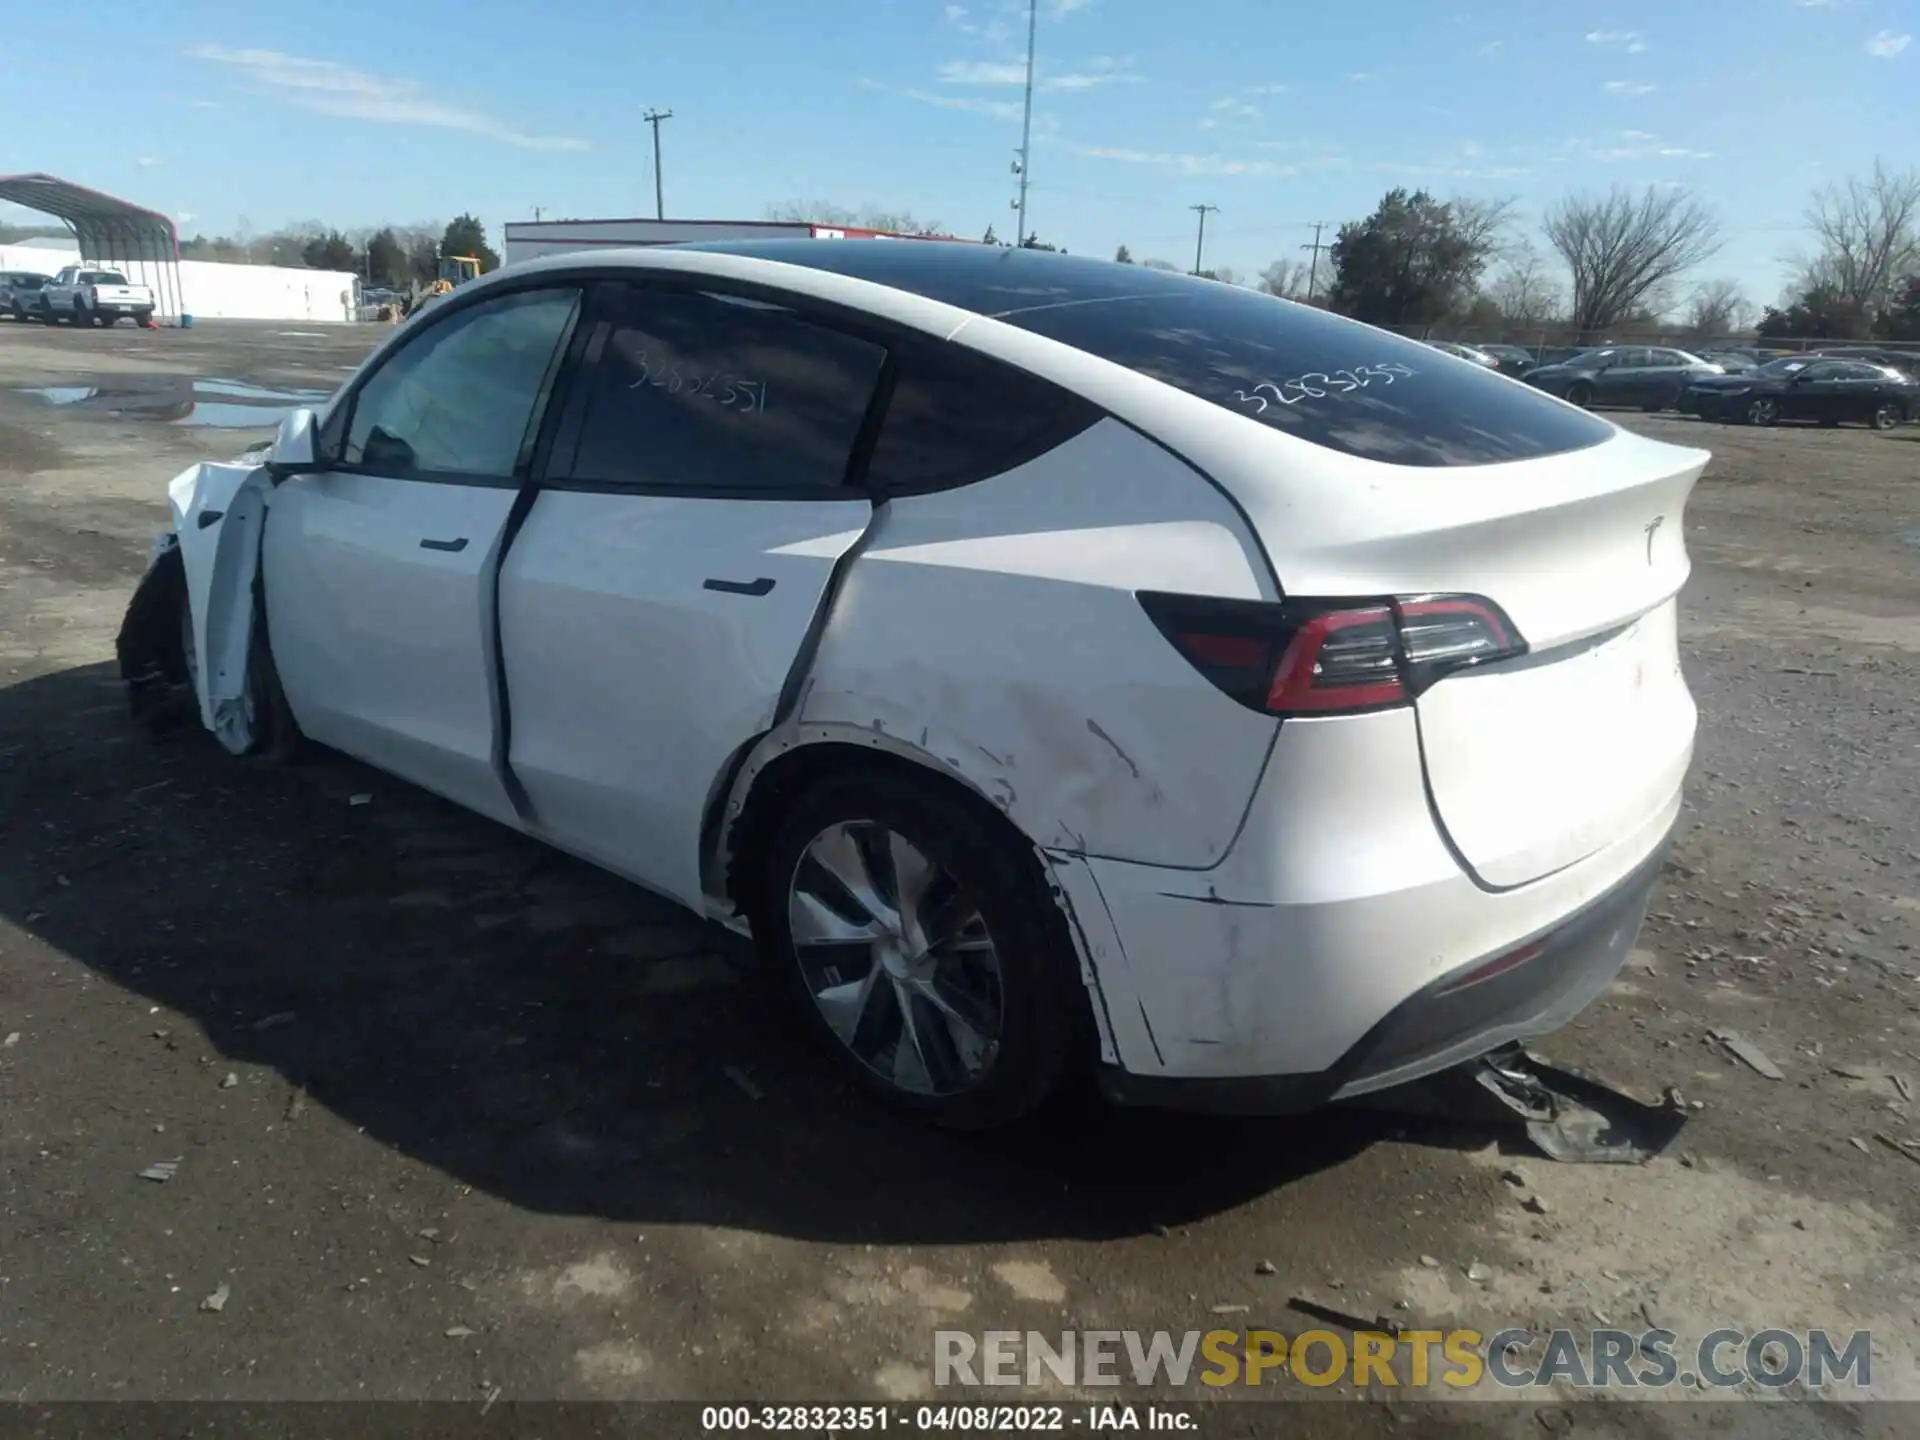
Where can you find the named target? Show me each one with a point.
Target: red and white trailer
(527, 239)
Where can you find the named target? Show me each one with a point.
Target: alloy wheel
(1761, 412)
(1886, 417)
(897, 957)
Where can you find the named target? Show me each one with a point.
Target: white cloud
(183, 217)
(1060, 9)
(1101, 70)
(955, 14)
(1821, 4)
(984, 72)
(1886, 44)
(147, 162)
(1631, 41)
(1360, 76)
(330, 88)
(206, 104)
(1189, 164)
(998, 109)
(1638, 135)
(1266, 90)
(1628, 87)
(1493, 47)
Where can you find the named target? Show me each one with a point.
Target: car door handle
(451, 546)
(762, 586)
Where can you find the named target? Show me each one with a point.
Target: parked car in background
(1651, 377)
(1464, 352)
(1907, 362)
(1829, 392)
(1321, 771)
(1511, 359)
(89, 296)
(20, 293)
(1733, 361)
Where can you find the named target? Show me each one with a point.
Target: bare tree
(1622, 248)
(1484, 223)
(1524, 293)
(1285, 278)
(1716, 309)
(1869, 234)
(868, 217)
(1159, 265)
(1225, 274)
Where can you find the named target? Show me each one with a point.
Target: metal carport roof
(112, 232)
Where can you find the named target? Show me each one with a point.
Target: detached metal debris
(1569, 1117)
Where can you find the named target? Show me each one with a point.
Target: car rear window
(1339, 384)
(103, 277)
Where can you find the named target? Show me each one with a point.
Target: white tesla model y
(1051, 663)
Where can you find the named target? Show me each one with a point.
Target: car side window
(696, 391)
(1828, 371)
(459, 397)
(956, 416)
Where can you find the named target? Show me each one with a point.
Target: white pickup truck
(87, 296)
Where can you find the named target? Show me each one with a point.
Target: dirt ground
(458, 1118)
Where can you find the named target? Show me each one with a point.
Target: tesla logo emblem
(1653, 528)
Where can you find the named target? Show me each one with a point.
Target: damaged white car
(1053, 664)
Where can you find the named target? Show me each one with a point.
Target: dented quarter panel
(219, 515)
(1044, 685)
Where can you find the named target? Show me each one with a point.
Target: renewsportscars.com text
(1600, 1359)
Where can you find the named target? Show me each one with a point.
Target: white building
(527, 239)
(211, 290)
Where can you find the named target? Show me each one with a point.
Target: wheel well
(787, 775)
(149, 642)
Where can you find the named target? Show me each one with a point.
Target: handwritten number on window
(1318, 384)
(730, 392)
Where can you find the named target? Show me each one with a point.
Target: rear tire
(1580, 393)
(1889, 416)
(970, 1031)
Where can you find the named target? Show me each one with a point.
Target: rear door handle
(759, 587)
(452, 546)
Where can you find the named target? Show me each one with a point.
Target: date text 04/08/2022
(999, 1419)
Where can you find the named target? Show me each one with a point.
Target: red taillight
(1320, 657)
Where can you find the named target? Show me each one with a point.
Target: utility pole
(1313, 268)
(1026, 128)
(1200, 242)
(537, 213)
(653, 118)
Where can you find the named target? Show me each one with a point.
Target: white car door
(667, 575)
(379, 568)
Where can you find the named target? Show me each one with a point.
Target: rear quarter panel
(993, 631)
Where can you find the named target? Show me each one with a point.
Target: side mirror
(296, 446)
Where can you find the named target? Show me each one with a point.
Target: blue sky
(1280, 114)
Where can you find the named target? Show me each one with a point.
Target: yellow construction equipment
(454, 270)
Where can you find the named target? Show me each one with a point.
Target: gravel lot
(455, 1116)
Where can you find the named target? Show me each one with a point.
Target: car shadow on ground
(525, 1023)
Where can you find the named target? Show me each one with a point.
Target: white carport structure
(114, 234)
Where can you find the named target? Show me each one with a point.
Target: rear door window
(700, 392)
(1334, 382)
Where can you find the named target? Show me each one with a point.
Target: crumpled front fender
(219, 515)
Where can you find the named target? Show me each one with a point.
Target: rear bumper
(1325, 954)
(1519, 991)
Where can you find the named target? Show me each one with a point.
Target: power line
(1313, 269)
(1200, 241)
(653, 118)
